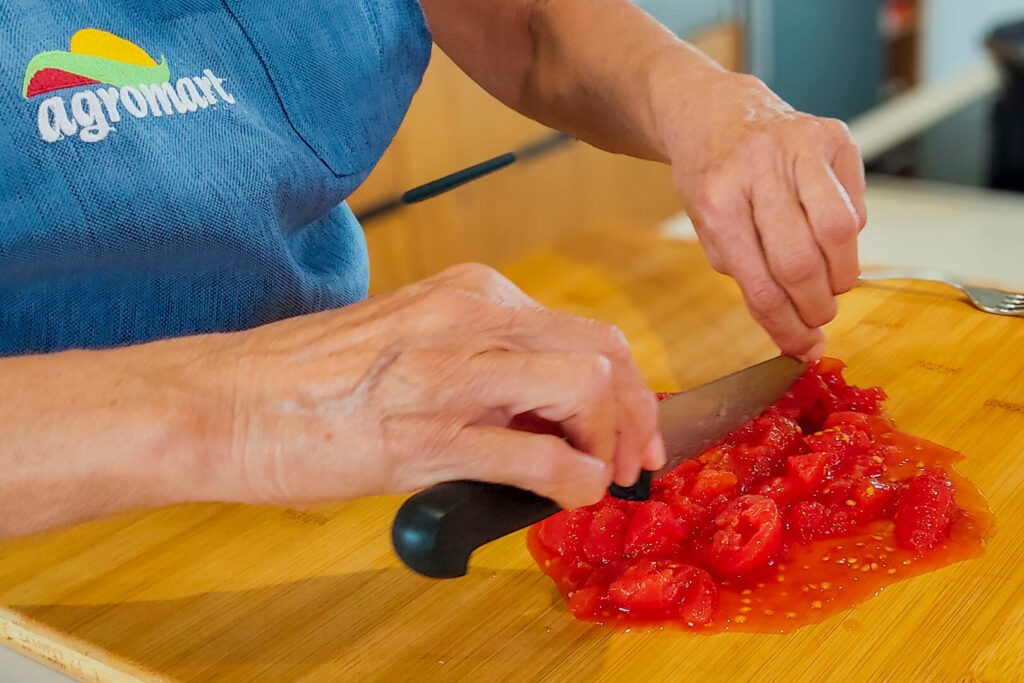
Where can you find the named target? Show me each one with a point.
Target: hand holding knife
(437, 529)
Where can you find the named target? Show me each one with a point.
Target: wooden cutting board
(218, 592)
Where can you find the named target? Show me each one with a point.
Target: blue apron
(172, 167)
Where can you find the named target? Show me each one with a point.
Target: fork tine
(1010, 305)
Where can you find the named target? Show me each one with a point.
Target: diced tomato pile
(821, 468)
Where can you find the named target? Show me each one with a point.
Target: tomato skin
(583, 603)
(691, 513)
(564, 532)
(849, 417)
(710, 483)
(606, 535)
(783, 490)
(809, 469)
(701, 601)
(658, 589)
(808, 519)
(871, 496)
(925, 511)
(654, 531)
(749, 532)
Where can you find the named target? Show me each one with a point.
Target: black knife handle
(640, 490)
(437, 529)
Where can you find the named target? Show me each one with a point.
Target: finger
(794, 259)
(849, 169)
(530, 327)
(833, 219)
(711, 252)
(765, 299)
(639, 443)
(540, 463)
(574, 390)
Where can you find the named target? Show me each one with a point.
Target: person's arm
(85, 434)
(412, 388)
(776, 196)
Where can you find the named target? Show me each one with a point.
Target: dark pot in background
(1007, 46)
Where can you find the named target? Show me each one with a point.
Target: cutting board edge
(67, 654)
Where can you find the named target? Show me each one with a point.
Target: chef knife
(437, 529)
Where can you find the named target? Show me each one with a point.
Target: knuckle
(468, 269)
(598, 371)
(766, 297)
(750, 81)
(449, 300)
(478, 275)
(836, 130)
(798, 266)
(840, 227)
(823, 314)
(718, 264)
(717, 196)
(846, 283)
(709, 243)
(616, 339)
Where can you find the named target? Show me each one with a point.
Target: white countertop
(976, 233)
(16, 668)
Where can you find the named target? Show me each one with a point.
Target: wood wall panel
(454, 123)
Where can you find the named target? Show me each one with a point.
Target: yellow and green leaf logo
(95, 57)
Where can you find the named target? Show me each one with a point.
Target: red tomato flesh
(804, 511)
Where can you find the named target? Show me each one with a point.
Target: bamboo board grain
(214, 592)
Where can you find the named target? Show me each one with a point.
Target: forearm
(84, 434)
(589, 67)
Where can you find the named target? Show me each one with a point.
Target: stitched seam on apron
(273, 86)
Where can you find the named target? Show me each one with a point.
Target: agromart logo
(130, 81)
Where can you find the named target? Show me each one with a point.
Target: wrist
(174, 431)
(88, 434)
(681, 82)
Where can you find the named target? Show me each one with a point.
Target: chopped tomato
(783, 490)
(925, 511)
(565, 532)
(822, 467)
(749, 532)
(585, 601)
(808, 469)
(658, 589)
(606, 535)
(654, 531)
(710, 483)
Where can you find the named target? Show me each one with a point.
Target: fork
(987, 299)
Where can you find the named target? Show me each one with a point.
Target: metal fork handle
(930, 274)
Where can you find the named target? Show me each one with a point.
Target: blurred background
(933, 93)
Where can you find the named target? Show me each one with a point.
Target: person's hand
(776, 197)
(420, 386)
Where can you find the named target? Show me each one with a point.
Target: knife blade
(436, 530)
